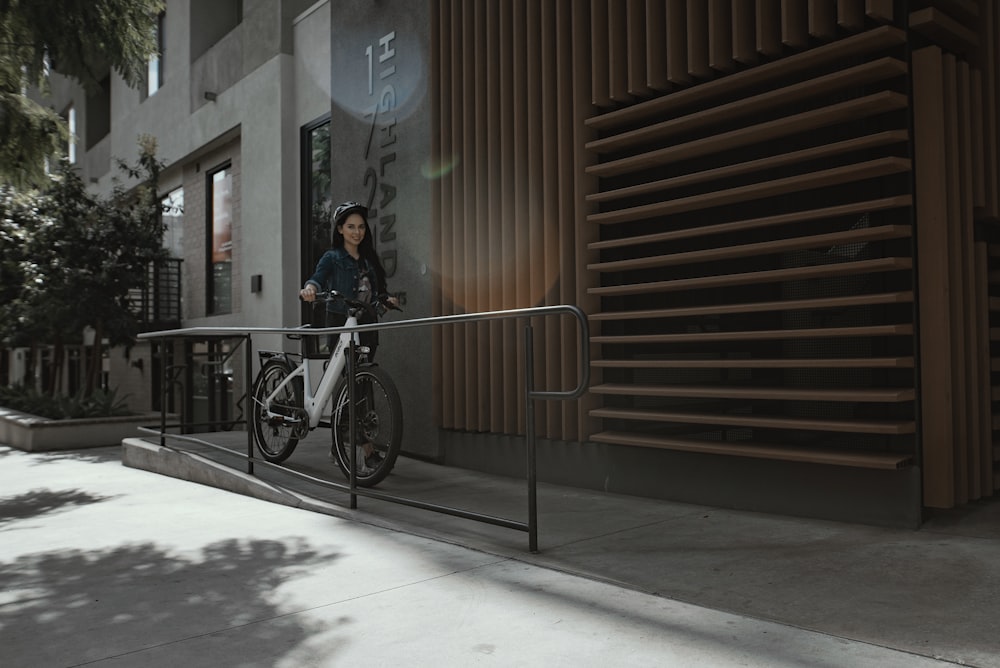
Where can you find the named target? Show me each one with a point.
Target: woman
(351, 267)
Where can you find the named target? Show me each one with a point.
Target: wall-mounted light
(210, 96)
(138, 364)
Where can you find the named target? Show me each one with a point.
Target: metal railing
(158, 302)
(530, 396)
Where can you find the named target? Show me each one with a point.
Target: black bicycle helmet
(347, 208)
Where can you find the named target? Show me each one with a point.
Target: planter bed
(34, 434)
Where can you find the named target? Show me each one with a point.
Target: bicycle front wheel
(274, 430)
(379, 426)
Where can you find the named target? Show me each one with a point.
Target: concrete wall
(130, 375)
(312, 64)
(311, 75)
(380, 62)
(251, 111)
(842, 493)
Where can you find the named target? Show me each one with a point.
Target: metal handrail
(531, 395)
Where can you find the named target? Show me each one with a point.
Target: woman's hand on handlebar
(310, 294)
(388, 302)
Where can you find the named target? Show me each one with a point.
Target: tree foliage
(69, 258)
(81, 39)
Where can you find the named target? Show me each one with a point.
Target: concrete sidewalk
(111, 566)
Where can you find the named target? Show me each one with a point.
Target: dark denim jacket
(337, 270)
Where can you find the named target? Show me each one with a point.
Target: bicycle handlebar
(381, 300)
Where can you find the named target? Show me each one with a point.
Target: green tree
(80, 39)
(21, 218)
(75, 257)
(27, 256)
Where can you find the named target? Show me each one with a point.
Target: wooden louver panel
(988, 209)
(754, 256)
(954, 116)
(989, 267)
(506, 229)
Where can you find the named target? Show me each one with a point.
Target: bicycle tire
(380, 423)
(274, 438)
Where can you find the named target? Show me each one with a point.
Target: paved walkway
(106, 565)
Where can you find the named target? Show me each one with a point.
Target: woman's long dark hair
(366, 248)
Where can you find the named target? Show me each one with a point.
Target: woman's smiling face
(353, 228)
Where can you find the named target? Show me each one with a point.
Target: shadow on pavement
(40, 502)
(898, 588)
(141, 597)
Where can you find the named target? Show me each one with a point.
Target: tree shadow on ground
(72, 607)
(108, 453)
(104, 453)
(42, 501)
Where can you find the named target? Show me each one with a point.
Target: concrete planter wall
(32, 433)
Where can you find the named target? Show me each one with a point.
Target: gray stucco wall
(312, 102)
(380, 64)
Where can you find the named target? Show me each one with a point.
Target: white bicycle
(285, 409)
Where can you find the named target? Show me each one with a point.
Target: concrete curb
(140, 454)
(32, 433)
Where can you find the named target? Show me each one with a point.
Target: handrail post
(250, 408)
(351, 417)
(529, 426)
(163, 389)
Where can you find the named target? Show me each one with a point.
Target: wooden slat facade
(781, 216)
(954, 109)
(508, 219)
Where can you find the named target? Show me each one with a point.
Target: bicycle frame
(314, 403)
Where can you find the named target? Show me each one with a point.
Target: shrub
(101, 403)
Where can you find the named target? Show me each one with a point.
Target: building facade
(780, 218)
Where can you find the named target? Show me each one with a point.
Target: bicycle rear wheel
(379, 426)
(275, 432)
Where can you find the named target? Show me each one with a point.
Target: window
(70, 117)
(220, 241)
(316, 198)
(210, 22)
(155, 70)
(98, 116)
(173, 222)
